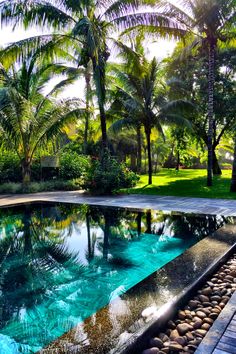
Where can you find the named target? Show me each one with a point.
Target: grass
(184, 183)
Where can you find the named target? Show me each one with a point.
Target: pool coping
(128, 208)
(170, 309)
(155, 202)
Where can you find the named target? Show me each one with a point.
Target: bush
(107, 175)
(10, 169)
(73, 165)
(35, 187)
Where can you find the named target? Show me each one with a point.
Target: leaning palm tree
(29, 120)
(210, 22)
(85, 22)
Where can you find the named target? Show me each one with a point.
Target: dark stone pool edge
(140, 339)
(110, 332)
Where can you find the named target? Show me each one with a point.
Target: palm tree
(29, 119)
(210, 22)
(233, 179)
(140, 98)
(85, 22)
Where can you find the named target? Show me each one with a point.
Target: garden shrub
(10, 169)
(106, 175)
(35, 187)
(73, 165)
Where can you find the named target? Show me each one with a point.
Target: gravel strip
(185, 332)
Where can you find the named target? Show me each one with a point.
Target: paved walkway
(182, 204)
(221, 338)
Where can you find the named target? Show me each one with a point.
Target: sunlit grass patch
(185, 183)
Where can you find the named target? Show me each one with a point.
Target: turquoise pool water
(62, 263)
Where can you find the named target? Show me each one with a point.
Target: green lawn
(186, 183)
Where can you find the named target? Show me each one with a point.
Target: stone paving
(181, 204)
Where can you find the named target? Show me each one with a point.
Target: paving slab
(182, 204)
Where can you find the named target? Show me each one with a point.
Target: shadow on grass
(188, 173)
(195, 187)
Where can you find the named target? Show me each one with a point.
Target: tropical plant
(73, 165)
(107, 175)
(210, 23)
(187, 77)
(29, 119)
(84, 22)
(233, 179)
(141, 98)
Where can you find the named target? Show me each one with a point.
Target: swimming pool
(62, 263)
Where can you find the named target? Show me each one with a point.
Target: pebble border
(185, 332)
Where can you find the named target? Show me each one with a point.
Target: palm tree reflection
(49, 282)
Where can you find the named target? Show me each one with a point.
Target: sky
(160, 49)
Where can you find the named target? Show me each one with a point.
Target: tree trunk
(139, 223)
(233, 179)
(178, 161)
(90, 255)
(145, 160)
(87, 115)
(99, 78)
(26, 171)
(215, 164)
(103, 125)
(133, 162)
(148, 137)
(139, 150)
(27, 233)
(211, 81)
(149, 222)
(106, 237)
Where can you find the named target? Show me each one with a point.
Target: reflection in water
(60, 264)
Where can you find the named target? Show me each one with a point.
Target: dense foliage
(73, 165)
(107, 175)
(136, 111)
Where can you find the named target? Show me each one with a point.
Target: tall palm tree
(210, 22)
(29, 119)
(87, 22)
(140, 98)
(233, 178)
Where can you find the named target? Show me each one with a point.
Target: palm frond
(36, 13)
(121, 124)
(122, 7)
(151, 21)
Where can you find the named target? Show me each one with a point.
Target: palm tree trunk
(89, 236)
(178, 161)
(99, 78)
(103, 125)
(27, 234)
(139, 150)
(215, 164)
(26, 171)
(145, 159)
(233, 179)
(106, 237)
(148, 137)
(139, 223)
(149, 222)
(211, 81)
(87, 115)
